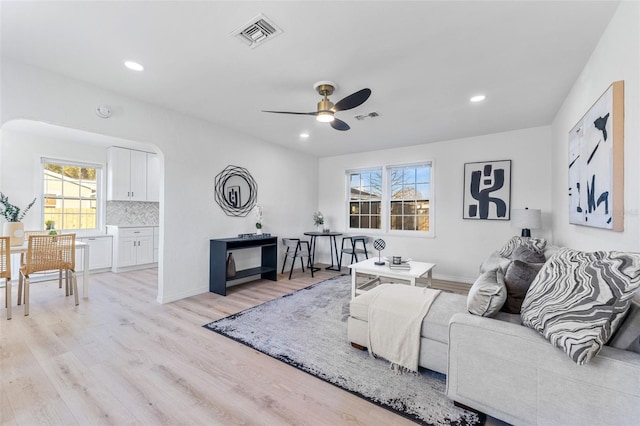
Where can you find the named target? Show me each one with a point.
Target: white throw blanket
(395, 320)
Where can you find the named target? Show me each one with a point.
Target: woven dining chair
(49, 253)
(5, 271)
(27, 234)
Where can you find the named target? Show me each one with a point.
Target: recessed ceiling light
(304, 135)
(133, 65)
(478, 98)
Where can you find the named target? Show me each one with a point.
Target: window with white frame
(394, 198)
(70, 195)
(365, 197)
(409, 197)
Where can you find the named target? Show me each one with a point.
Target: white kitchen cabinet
(126, 174)
(100, 253)
(153, 177)
(132, 248)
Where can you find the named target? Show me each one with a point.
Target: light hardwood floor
(122, 358)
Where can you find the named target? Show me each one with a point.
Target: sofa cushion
(628, 335)
(517, 278)
(534, 244)
(578, 299)
(525, 254)
(487, 294)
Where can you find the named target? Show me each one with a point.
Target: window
(365, 197)
(396, 198)
(71, 194)
(409, 197)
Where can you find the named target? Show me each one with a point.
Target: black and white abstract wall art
(236, 191)
(596, 156)
(487, 190)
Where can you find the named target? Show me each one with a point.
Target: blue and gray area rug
(308, 330)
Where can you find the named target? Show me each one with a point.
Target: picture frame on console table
(596, 163)
(487, 190)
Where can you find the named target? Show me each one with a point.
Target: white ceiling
(423, 60)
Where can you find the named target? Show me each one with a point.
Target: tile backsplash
(132, 213)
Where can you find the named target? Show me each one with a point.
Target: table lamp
(526, 219)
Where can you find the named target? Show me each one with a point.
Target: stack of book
(403, 265)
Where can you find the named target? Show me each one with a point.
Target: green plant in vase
(13, 214)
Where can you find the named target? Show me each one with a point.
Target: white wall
(616, 57)
(459, 245)
(194, 152)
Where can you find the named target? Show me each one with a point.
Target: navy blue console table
(218, 249)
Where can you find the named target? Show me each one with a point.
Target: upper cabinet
(132, 175)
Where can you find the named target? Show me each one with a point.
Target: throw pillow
(628, 333)
(517, 279)
(534, 244)
(487, 294)
(578, 299)
(525, 254)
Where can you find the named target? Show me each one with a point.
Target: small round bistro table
(332, 244)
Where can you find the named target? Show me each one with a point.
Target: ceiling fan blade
(289, 112)
(353, 100)
(339, 125)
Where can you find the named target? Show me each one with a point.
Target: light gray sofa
(506, 370)
(511, 372)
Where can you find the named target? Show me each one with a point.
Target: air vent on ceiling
(364, 116)
(257, 31)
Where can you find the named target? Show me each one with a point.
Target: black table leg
(334, 249)
(313, 254)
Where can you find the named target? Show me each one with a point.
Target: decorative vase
(231, 266)
(15, 230)
(259, 231)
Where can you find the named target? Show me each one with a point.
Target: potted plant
(318, 220)
(258, 210)
(13, 226)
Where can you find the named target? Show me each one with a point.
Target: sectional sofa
(509, 366)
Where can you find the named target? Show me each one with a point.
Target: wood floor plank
(122, 358)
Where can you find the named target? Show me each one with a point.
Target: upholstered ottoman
(434, 334)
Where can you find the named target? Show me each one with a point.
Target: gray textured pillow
(525, 254)
(534, 244)
(517, 279)
(487, 294)
(578, 299)
(628, 335)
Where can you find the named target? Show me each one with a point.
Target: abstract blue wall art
(487, 190)
(596, 163)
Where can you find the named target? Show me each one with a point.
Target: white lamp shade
(526, 218)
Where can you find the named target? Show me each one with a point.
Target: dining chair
(27, 234)
(296, 249)
(353, 249)
(49, 253)
(5, 271)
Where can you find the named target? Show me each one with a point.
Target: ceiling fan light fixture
(325, 116)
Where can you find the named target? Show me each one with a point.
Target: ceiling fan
(326, 109)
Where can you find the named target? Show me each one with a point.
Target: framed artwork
(236, 191)
(596, 163)
(487, 190)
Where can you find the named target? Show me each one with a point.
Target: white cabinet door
(118, 174)
(100, 253)
(138, 176)
(144, 250)
(127, 249)
(153, 177)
